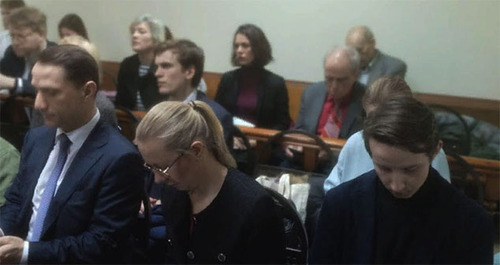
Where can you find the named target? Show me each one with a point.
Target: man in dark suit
(79, 185)
(28, 30)
(374, 63)
(332, 108)
(403, 211)
(179, 70)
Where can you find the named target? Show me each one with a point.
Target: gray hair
(155, 25)
(347, 51)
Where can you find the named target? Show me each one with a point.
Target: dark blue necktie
(48, 193)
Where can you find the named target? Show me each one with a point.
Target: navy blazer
(272, 98)
(458, 231)
(311, 105)
(13, 66)
(225, 118)
(90, 217)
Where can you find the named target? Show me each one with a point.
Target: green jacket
(9, 164)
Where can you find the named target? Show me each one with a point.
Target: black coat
(129, 82)
(272, 98)
(241, 225)
(453, 229)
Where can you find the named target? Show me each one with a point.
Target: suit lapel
(353, 113)
(375, 71)
(86, 157)
(40, 154)
(318, 100)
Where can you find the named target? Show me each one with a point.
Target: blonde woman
(213, 212)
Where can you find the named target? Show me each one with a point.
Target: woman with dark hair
(213, 213)
(137, 88)
(72, 24)
(251, 92)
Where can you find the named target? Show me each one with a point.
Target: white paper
(240, 122)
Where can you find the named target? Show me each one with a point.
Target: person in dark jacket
(28, 30)
(251, 92)
(403, 211)
(213, 212)
(137, 88)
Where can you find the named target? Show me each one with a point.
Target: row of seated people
(249, 92)
(82, 172)
(197, 197)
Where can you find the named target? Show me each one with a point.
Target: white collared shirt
(191, 96)
(77, 138)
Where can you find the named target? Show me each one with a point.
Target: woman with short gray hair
(137, 88)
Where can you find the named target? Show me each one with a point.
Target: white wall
(451, 47)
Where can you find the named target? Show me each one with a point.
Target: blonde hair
(178, 124)
(86, 45)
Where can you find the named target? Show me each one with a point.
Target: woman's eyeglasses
(163, 171)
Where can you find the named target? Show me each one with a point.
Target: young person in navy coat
(403, 211)
(88, 214)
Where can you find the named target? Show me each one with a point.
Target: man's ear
(189, 72)
(89, 90)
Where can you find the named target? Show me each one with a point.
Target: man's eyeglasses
(163, 171)
(20, 37)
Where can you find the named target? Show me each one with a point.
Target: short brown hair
(404, 123)
(261, 48)
(29, 17)
(79, 66)
(11, 4)
(188, 54)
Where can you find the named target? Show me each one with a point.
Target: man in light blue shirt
(354, 160)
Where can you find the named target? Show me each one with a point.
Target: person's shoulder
(353, 188)
(355, 141)
(114, 140)
(230, 74)
(218, 109)
(461, 204)
(7, 148)
(272, 77)
(130, 60)
(244, 187)
(10, 57)
(314, 88)
(390, 60)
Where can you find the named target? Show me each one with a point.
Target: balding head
(362, 39)
(341, 68)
